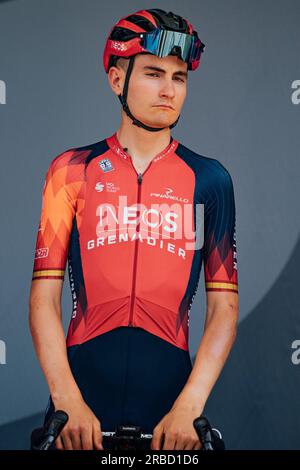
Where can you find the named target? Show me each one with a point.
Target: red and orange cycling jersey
(133, 241)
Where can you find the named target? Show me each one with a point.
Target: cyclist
(127, 213)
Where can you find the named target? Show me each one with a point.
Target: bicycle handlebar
(126, 437)
(43, 438)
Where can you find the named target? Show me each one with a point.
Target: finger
(76, 440)
(182, 445)
(87, 439)
(66, 440)
(189, 445)
(156, 441)
(197, 446)
(169, 443)
(59, 444)
(97, 437)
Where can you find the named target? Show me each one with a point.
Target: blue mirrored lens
(162, 43)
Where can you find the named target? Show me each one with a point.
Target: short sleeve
(219, 253)
(57, 213)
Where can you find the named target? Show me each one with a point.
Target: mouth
(165, 106)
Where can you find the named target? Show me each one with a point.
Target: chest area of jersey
(122, 205)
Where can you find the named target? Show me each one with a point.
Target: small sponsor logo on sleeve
(41, 253)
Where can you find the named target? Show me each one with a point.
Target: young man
(125, 213)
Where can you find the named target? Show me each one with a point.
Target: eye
(180, 79)
(156, 74)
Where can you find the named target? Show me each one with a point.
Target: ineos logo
(118, 45)
(129, 215)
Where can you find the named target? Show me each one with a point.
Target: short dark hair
(122, 62)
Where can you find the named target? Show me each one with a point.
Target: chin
(158, 122)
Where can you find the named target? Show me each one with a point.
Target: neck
(142, 144)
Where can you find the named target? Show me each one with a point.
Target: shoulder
(208, 170)
(75, 159)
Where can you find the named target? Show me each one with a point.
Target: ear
(116, 78)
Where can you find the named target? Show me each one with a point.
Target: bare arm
(83, 430)
(176, 428)
(215, 345)
(49, 337)
(217, 340)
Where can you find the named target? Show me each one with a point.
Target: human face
(157, 89)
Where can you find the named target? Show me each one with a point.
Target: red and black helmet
(147, 31)
(155, 32)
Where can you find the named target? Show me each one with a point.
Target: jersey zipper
(136, 246)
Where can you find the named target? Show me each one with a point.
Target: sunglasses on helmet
(163, 42)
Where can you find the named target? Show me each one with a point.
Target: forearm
(50, 346)
(216, 343)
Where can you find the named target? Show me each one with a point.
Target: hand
(83, 429)
(177, 430)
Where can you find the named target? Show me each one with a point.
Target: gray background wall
(243, 108)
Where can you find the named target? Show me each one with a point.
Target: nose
(167, 88)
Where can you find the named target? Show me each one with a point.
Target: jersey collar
(117, 148)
